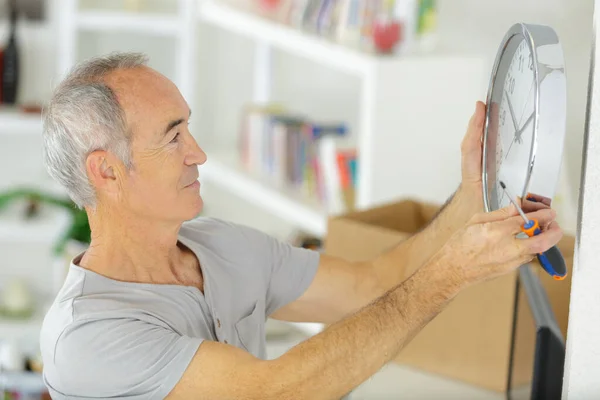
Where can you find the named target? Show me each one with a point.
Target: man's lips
(192, 182)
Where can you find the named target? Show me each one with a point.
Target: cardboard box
(470, 339)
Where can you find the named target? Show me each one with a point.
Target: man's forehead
(140, 83)
(144, 94)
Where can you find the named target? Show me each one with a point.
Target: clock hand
(520, 131)
(529, 97)
(509, 147)
(512, 112)
(518, 134)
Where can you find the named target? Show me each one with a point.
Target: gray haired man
(166, 305)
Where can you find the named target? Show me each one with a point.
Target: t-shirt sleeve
(290, 269)
(119, 358)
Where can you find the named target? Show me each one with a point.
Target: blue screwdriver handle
(553, 263)
(551, 260)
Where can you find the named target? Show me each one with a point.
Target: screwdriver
(551, 260)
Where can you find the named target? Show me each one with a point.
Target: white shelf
(46, 227)
(16, 122)
(225, 170)
(316, 48)
(29, 382)
(132, 22)
(17, 329)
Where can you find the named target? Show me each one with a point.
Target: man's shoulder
(88, 330)
(86, 300)
(220, 234)
(203, 224)
(62, 313)
(132, 356)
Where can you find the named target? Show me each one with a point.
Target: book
(353, 22)
(293, 151)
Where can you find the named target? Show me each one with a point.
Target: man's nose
(195, 154)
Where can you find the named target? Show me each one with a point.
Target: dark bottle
(10, 72)
(1, 72)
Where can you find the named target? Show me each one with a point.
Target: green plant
(78, 230)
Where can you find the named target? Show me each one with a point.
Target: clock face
(525, 124)
(510, 125)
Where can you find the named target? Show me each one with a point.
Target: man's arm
(417, 249)
(333, 362)
(341, 287)
(464, 204)
(327, 365)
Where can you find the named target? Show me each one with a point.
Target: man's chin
(194, 208)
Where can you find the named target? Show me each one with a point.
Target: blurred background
(306, 109)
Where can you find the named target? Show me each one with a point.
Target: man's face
(162, 184)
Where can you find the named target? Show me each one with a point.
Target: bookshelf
(180, 26)
(100, 20)
(28, 382)
(16, 122)
(231, 18)
(44, 228)
(413, 111)
(22, 329)
(225, 169)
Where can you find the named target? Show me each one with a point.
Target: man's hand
(488, 247)
(472, 153)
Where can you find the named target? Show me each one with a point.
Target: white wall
(583, 348)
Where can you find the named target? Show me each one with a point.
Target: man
(164, 304)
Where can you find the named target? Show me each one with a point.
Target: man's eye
(175, 139)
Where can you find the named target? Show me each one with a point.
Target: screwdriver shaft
(514, 202)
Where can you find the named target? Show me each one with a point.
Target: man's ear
(100, 167)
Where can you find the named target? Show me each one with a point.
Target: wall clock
(525, 123)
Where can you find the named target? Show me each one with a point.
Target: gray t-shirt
(104, 338)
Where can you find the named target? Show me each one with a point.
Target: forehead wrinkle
(137, 93)
(144, 94)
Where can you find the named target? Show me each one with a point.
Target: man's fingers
(530, 206)
(538, 199)
(472, 140)
(544, 218)
(527, 258)
(498, 215)
(526, 249)
(543, 241)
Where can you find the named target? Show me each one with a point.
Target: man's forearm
(394, 265)
(335, 361)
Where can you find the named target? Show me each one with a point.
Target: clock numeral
(521, 62)
(531, 62)
(511, 84)
(503, 117)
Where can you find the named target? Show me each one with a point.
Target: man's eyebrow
(174, 123)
